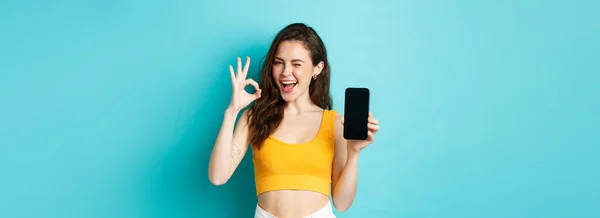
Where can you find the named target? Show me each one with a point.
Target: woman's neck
(300, 106)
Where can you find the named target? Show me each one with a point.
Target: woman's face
(293, 70)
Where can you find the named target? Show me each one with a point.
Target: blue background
(487, 109)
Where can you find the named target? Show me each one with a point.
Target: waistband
(325, 212)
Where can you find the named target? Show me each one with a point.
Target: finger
(239, 66)
(232, 74)
(253, 83)
(257, 94)
(246, 66)
(373, 128)
(342, 119)
(371, 136)
(373, 120)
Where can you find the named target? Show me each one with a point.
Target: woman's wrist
(231, 112)
(353, 154)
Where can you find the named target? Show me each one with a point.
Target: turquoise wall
(487, 109)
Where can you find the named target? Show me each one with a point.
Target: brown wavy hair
(266, 113)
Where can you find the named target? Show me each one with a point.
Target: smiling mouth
(288, 85)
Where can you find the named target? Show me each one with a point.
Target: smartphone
(356, 113)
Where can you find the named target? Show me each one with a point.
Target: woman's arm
(229, 148)
(345, 164)
(345, 170)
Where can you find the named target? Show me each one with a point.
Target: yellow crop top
(306, 166)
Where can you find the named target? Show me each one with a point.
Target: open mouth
(288, 85)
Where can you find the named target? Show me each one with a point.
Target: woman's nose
(287, 71)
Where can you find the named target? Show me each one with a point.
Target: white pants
(324, 212)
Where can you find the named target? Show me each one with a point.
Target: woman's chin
(288, 97)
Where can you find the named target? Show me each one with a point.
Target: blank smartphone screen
(356, 113)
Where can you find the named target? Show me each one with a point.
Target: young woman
(300, 156)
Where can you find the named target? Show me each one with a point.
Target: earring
(315, 77)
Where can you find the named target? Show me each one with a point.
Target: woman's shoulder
(333, 113)
(333, 116)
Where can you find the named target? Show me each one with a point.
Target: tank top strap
(328, 124)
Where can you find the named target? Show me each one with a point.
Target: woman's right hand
(240, 98)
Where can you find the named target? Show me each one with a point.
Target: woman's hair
(266, 112)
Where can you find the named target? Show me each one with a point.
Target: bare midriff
(291, 203)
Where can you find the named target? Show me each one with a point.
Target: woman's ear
(318, 68)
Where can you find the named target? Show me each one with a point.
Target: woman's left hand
(358, 145)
